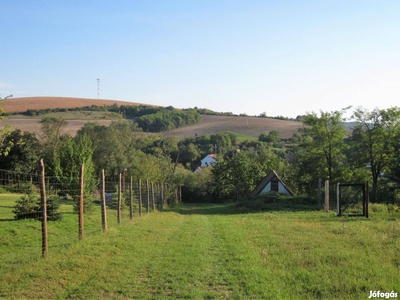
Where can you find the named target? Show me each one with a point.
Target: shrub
(88, 203)
(53, 205)
(27, 207)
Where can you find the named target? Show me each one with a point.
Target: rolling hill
(211, 124)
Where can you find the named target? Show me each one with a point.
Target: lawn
(206, 251)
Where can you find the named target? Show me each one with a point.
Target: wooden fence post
(131, 199)
(152, 192)
(319, 191)
(327, 195)
(140, 197)
(81, 226)
(43, 201)
(366, 199)
(338, 213)
(158, 195)
(103, 202)
(119, 199)
(148, 196)
(162, 195)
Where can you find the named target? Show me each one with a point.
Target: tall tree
(236, 176)
(5, 131)
(23, 152)
(116, 147)
(71, 154)
(322, 146)
(52, 131)
(52, 128)
(374, 141)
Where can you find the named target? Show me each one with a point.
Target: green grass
(205, 252)
(242, 138)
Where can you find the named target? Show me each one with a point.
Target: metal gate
(349, 198)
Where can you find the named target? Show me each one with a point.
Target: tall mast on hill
(98, 88)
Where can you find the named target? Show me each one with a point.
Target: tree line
(323, 148)
(148, 118)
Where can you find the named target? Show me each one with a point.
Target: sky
(281, 58)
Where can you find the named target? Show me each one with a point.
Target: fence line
(119, 196)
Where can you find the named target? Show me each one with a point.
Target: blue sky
(278, 57)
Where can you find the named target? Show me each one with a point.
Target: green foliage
(71, 155)
(53, 205)
(272, 137)
(197, 187)
(321, 151)
(4, 131)
(115, 147)
(28, 206)
(375, 143)
(124, 200)
(23, 149)
(88, 203)
(168, 119)
(236, 176)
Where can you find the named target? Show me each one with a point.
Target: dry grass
(247, 126)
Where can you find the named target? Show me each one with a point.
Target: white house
(209, 160)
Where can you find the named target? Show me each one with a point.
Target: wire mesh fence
(31, 226)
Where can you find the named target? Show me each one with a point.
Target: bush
(88, 203)
(53, 205)
(27, 207)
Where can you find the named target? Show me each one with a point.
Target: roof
(265, 181)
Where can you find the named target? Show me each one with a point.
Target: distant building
(209, 160)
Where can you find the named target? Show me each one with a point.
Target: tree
(71, 154)
(236, 176)
(322, 147)
(115, 147)
(272, 137)
(52, 130)
(51, 134)
(374, 141)
(23, 152)
(5, 131)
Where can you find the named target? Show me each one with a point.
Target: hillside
(211, 124)
(12, 105)
(249, 126)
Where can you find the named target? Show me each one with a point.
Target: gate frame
(365, 198)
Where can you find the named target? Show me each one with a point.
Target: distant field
(248, 126)
(244, 126)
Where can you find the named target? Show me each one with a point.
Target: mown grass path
(214, 252)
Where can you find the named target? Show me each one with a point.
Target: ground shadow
(246, 207)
